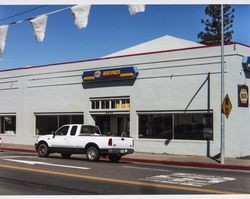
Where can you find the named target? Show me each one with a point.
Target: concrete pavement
(166, 159)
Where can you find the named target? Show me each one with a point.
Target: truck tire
(92, 154)
(65, 155)
(114, 158)
(43, 150)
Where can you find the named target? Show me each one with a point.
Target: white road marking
(45, 163)
(15, 156)
(188, 179)
(144, 168)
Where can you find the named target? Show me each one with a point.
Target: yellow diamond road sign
(226, 106)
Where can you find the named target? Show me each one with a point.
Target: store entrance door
(123, 126)
(117, 125)
(103, 122)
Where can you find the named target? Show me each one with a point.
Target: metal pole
(222, 150)
(208, 92)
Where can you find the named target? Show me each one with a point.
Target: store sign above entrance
(246, 63)
(113, 74)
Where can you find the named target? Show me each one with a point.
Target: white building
(168, 100)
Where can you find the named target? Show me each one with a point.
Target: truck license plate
(123, 151)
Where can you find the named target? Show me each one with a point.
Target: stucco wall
(166, 82)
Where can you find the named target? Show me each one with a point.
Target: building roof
(166, 42)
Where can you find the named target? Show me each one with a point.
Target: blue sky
(110, 28)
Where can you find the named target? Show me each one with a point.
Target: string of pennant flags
(80, 12)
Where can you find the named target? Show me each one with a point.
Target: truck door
(60, 139)
(70, 138)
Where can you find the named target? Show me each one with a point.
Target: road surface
(27, 174)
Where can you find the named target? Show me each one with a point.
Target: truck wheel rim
(92, 154)
(42, 150)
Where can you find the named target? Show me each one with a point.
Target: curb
(190, 164)
(18, 149)
(163, 162)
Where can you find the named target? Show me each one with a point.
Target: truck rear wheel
(92, 154)
(114, 158)
(43, 150)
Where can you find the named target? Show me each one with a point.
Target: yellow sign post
(226, 106)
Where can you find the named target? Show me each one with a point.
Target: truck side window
(62, 131)
(73, 130)
(84, 131)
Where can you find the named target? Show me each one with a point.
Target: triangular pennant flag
(133, 9)
(39, 27)
(3, 35)
(81, 14)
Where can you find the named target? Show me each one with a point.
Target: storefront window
(197, 126)
(155, 126)
(188, 126)
(76, 119)
(111, 104)
(64, 119)
(8, 125)
(95, 104)
(125, 103)
(105, 104)
(45, 124)
(117, 104)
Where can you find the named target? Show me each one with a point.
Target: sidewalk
(165, 159)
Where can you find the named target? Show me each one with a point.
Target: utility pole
(222, 147)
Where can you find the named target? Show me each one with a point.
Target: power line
(22, 20)
(24, 12)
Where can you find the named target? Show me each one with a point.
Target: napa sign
(112, 74)
(246, 63)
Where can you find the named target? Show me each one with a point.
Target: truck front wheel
(43, 150)
(92, 154)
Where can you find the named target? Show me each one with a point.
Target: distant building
(164, 93)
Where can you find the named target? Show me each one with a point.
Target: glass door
(123, 126)
(103, 122)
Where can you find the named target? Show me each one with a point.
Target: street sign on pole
(226, 106)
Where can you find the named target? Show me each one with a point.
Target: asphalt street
(27, 174)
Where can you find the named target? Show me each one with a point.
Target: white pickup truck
(84, 139)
